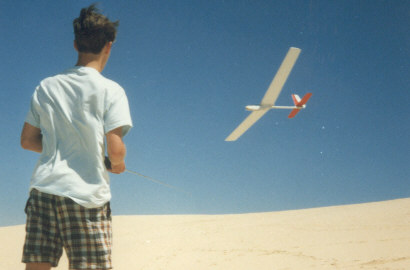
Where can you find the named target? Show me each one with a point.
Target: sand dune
(362, 236)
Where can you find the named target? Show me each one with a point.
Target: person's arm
(116, 150)
(31, 138)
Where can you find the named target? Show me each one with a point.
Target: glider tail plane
(300, 103)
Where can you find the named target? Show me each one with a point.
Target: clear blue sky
(190, 67)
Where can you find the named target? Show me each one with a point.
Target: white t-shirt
(74, 111)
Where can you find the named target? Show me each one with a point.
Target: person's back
(71, 117)
(75, 107)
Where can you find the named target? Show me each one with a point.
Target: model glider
(268, 101)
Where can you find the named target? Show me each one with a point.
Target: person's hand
(117, 168)
(114, 168)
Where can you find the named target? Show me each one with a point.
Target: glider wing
(246, 124)
(281, 76)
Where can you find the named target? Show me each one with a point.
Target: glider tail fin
(300, 103)
(296, 99)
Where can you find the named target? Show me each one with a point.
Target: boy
(69, 116)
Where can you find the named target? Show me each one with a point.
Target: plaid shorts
(54, 222)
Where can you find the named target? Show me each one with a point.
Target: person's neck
(91, 60)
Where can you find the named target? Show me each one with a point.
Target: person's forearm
(116, 150)
(117, 156)
(34, 144)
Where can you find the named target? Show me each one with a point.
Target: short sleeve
(33, 117)
(117, 113)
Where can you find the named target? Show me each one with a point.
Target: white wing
(246, 124)
(281, 76)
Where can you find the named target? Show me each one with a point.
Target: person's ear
(75, 45)
(108, 47)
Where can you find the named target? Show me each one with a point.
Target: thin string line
(158, 182)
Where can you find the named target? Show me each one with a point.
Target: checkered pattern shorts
(54, 222)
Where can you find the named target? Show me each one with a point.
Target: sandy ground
(362, 236)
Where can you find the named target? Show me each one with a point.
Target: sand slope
(362, 236)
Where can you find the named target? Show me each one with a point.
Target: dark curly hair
(93, 30)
